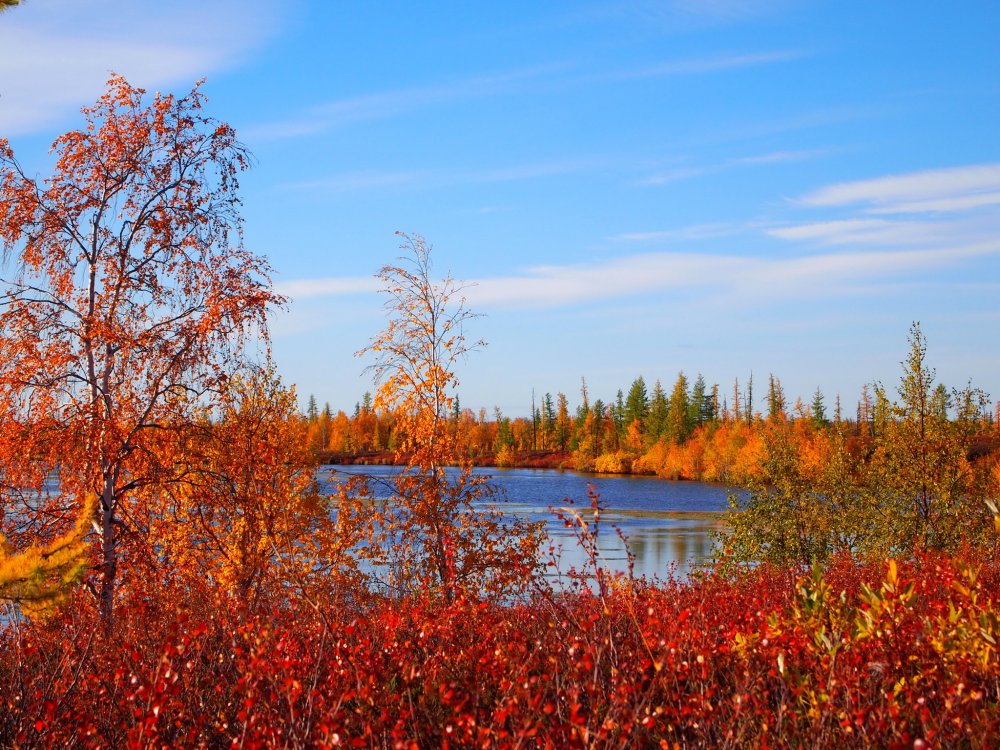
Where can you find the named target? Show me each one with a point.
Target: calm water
(667, 524)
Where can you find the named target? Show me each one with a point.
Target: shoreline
(551, 460)
(522, 459)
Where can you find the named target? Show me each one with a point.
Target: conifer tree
(637, 403)
(548, 422)
(564, 427)
(696, 406)
(775, 400)
(817, 410)
(678, 413)
(618, 416)
(656, 417)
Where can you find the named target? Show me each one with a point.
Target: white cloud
(385, 104)
(941, 205)
(350, 182)
(826, 270)
(869, 232)
(732, 277)
(676, 15)
(369, 180)
(675, 175)
(553, 286)
(58, 54)
(949, 189)
(778, 157)
(329, 286)
(693, 232)
(697, 66)
(722, 10)
(936, 209)
(746, 277)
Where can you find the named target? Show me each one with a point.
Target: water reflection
(667, 525)
(660, 545)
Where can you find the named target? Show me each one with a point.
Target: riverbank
(562, 460)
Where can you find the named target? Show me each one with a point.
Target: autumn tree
(924, 474)
(248, 513)
(913, 486)
(431, 531)
(503, 445)
(128, 302)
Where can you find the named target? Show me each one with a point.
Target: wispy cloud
(386, 104)
(713, 64)
(677, 174)
(754, 278)
(940, 205)
(779, 157)
(825, 271)
(675, 14)
(743, 277)
(931, 208)
(58, 55)
(951, 189)
(350, 182)
(557, 285)
(720, 11)
(329, 286)
(693, 232)
(870, 232)
(436, 178)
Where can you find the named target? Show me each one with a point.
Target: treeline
(692, 432)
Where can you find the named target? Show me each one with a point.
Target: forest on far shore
(690, 433)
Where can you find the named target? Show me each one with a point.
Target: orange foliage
(426, 533)
(130, 303)
(249, 515)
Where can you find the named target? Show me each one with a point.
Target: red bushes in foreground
(862, 656)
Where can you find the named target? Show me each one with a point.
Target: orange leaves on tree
(428, 533)
(128, 298)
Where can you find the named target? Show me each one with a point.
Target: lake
(667, 524)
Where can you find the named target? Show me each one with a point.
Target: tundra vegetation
(174, 576)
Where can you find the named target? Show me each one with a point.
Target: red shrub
(865, 655)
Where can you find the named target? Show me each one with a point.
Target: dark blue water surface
(667, 525)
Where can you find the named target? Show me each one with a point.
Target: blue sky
(635, 188)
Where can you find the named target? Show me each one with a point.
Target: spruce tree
(637, 403)
(656, 415)
(678, 414)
